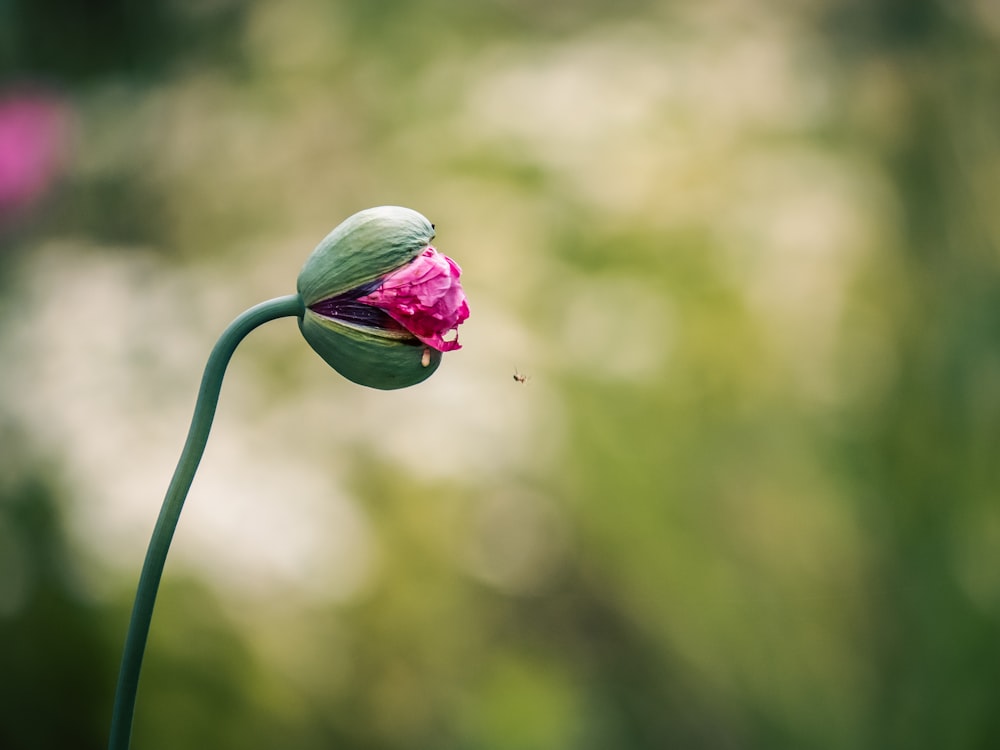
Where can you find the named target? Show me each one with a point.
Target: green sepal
(362, 248)
(369, 356)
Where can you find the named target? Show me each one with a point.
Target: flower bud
(379, 300)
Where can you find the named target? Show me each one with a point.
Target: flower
(379, 299)
(426, 298)
(33, 145)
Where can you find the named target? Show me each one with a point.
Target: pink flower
(425, 297)
(33, 144)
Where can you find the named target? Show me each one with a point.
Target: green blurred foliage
(753, 253)
(53, 641)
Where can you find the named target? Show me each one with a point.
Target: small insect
(519, 378)
(425, 358)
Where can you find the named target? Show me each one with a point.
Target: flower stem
(163, 532)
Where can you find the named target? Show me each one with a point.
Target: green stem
(156, 555)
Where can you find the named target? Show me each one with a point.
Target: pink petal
(425, 296)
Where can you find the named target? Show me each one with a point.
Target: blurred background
(747, 255)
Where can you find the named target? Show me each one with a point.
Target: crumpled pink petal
(425, 297)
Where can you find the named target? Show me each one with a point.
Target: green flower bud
(375, 301)
(361, 249)
(378, 298)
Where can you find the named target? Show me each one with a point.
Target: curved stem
(159, 544)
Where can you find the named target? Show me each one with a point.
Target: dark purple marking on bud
(345, 309)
